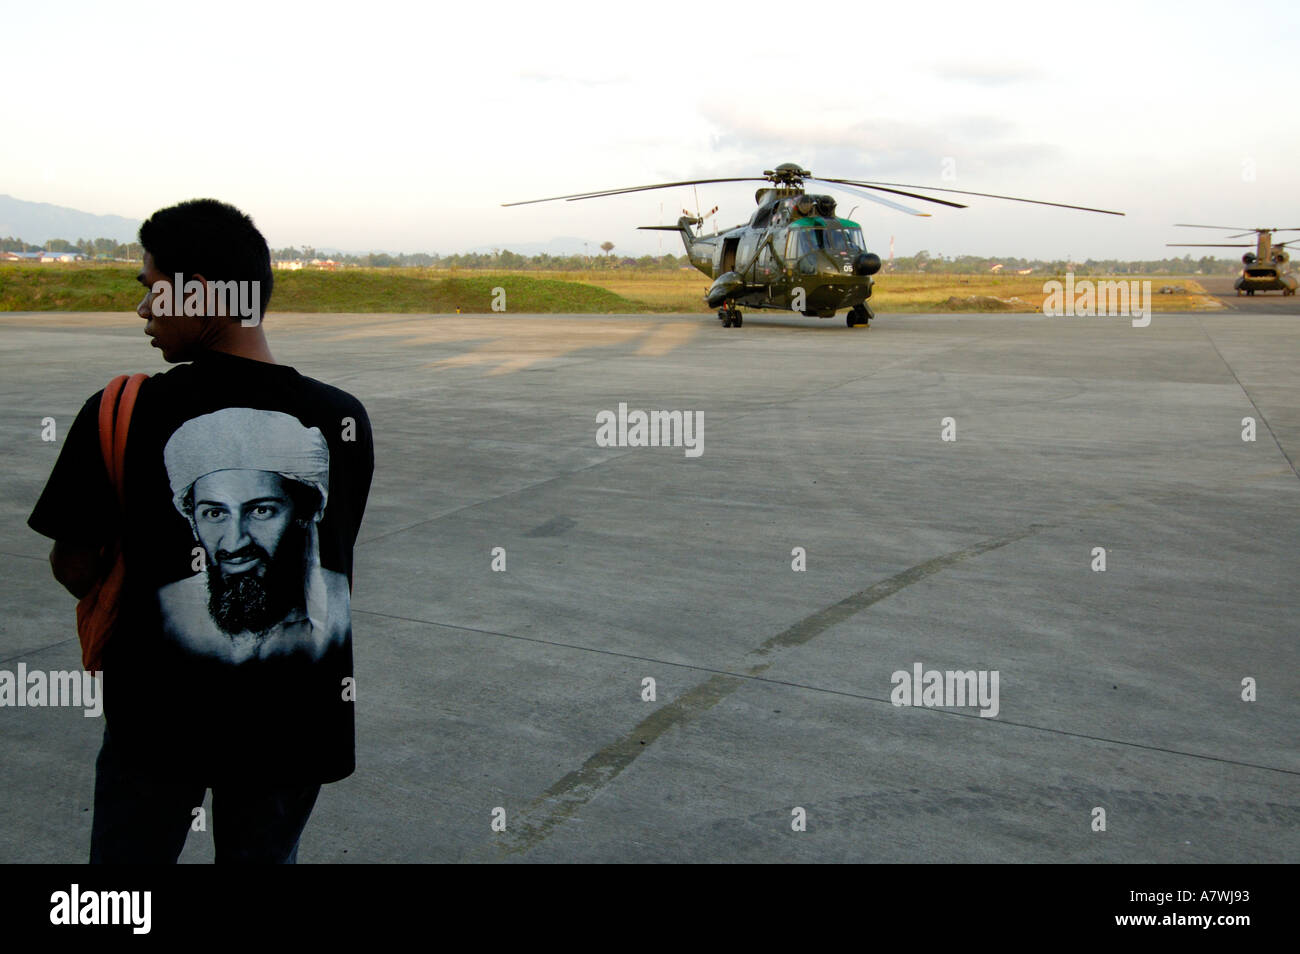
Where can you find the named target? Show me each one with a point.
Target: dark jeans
(144, 819)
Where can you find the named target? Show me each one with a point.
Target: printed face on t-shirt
(249, 525)
(241, 516)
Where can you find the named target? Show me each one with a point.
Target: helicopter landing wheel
(737, 319)
(730, 316)
(858, 315)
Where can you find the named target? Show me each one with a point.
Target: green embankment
(114, 288)
(68, 288)
(92, 287)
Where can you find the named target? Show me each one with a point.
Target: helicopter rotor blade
(910, 195)
(1259, 231)
(879, 199)
(645, 188)
(1240, 233)
(1205, 245)
(986, 195)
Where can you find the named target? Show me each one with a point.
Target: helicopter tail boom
(683, 225)
(699, 253)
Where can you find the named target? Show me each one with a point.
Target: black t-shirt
(245, 487)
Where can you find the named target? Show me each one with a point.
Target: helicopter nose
(868, 263)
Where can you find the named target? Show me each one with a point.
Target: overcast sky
(403, 127)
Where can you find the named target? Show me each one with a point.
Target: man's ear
(196, 277)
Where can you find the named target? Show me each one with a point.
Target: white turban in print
(242, 438)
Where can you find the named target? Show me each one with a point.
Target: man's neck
(241, 342)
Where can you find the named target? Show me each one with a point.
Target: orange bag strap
(107, 413)
(115, 409)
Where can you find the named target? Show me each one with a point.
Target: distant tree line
(503, 258)
(101, 248)
(104, 249)
(923, 261)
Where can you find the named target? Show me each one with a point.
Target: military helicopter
(794, 253)
(1263, 271)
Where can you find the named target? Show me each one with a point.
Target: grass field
(896, 293)
(114, 288)
(90, 287)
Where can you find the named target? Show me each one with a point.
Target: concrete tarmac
(1119, 690)
(1260, 303)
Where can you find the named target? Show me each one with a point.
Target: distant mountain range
(38, 222)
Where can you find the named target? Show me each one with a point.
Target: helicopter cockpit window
(802, 241)
(844, 240)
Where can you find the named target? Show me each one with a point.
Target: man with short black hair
(230, 666)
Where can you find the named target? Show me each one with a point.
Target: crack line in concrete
(25, 556)
(40, 649)
(562, 800)
(750, 676)
(493, 499)
(1249, 397)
